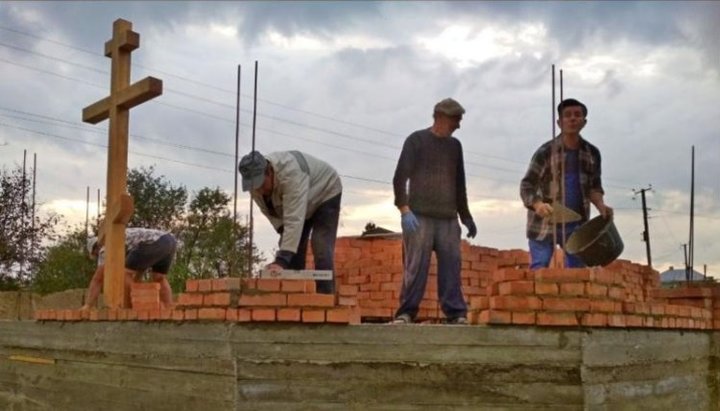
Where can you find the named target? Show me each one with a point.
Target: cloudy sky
(347, 82)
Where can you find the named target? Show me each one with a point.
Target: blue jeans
(541, 251)
(441, 235)
(323, 224)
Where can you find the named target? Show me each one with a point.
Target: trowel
(562, 214)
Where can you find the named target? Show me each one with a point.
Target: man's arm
(405, 165)
(530, 185)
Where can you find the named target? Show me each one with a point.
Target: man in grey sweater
(430, 193)
(300, 195)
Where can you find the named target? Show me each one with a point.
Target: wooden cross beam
(116, 107)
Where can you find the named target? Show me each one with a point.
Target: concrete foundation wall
(223, 366)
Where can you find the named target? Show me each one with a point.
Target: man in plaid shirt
(582, 185)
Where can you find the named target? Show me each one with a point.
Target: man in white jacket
(300, 195)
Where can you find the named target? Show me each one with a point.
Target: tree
(22, 233)
(212, 245)
(158, 204)
(66, 265)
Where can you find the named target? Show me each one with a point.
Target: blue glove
(409, 222)
(472, 229)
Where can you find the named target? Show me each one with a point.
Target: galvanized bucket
(597, 242)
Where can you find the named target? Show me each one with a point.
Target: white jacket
(297, 194)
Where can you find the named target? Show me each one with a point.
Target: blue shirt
(573, 195)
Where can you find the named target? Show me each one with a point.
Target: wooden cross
(116, 107)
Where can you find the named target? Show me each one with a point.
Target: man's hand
(605, 211)
(409, 222)
(542, 209)
(472, 228)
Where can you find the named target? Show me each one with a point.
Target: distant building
(673, 275)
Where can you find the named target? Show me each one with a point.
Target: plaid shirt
(537, 185)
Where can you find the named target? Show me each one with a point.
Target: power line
(199, 98)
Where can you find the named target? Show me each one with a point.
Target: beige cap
(449, 107)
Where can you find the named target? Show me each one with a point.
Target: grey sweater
(434, 168)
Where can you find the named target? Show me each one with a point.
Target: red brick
(479, 303)
(347, 301)
(594, 320)
(596, 290)
(347, 290)
(313, 316)
(298, 286)
(244, 315)
(572, 289)
(146, 306)
(515, 303)
(338, 315)
(657, 309)
(191, 314)
(204, 285)
(289, 314)
(217, 299)
(231, 314)
(521, 287)
(266, 300)
(523, 317)
(557, 319)
(177, 315)
(249, 283)
(547, 288)
(566, 304)
(191, 286)
(262, 314)
(509, 274)
(616, 293)
(112, 314)
(145, 286)
(190, 300)
(268, 284)
(605, 306)
(562, 274)
(616, 320)
(311, 300)
(603, 276)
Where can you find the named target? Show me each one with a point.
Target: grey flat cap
(252, 168)
(449, 107)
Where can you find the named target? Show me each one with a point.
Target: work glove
(409, 222)
(472, 229)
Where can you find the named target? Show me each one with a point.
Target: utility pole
(687, 271)
(646, 233)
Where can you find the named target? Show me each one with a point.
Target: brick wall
(497, 284)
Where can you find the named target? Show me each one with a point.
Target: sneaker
(402, 319)
(458, 321)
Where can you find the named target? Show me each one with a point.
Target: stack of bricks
(375, 266)
(265, 300)
(234, 300)
(145, 296)
(592, 297)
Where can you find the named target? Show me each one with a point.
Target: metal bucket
(597, 242)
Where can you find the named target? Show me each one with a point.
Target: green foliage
(66, 266)
(22, 233)
(158, 204)
(212, 246)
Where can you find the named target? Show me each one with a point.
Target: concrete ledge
(224, 366)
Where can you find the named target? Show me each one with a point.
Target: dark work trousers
(321, 227)
(441, 235)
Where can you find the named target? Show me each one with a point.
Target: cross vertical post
(116, 108)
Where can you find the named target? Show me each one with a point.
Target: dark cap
(449, 107)
(252, 169)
